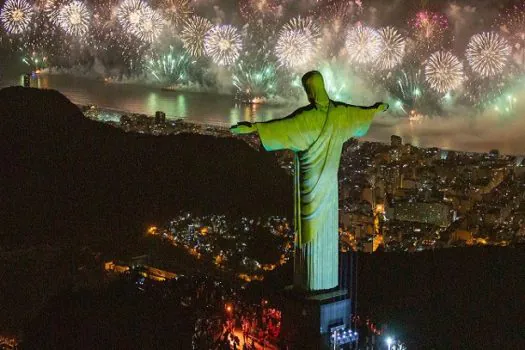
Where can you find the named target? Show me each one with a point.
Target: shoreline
(121, 112)
(221, 128)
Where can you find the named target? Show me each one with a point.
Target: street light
(229, 308)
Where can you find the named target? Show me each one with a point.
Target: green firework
(170, 68)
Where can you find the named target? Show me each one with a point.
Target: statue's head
(313, 84)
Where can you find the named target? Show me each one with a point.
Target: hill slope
(66, 177)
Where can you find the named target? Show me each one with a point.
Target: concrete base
(308, 318)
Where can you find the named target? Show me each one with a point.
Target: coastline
(217, 129)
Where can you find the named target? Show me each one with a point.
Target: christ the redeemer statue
(315, 134)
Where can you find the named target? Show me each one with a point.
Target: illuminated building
(396, 141)
(438, 214)
(160, 117)
(27, 80)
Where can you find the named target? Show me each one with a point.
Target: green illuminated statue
(315, 134)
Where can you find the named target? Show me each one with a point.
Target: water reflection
(235, 116)
(152, 101)
(43, 83)
(249, 112)
(181, 106)
(415, 141)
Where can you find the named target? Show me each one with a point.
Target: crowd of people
(240, 326)
(261, 322)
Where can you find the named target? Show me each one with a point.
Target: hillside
(71, 179)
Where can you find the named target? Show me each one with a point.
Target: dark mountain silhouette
(65, 177)
(456, 298)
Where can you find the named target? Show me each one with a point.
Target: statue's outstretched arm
(379, 106)
(359, 119)
(247, 128)
(243, 128)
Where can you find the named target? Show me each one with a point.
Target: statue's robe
(316, 134)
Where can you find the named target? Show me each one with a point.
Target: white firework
(131, 13)
(150, 26)
(297, 42)
(294, 49)
(194, 33)
(16, 15)
(392, 46)
(74, 18)
(305, 25)
(488, 53)
(363, 44)
(444, 72)
(223, 44)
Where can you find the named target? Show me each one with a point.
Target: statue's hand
(381, 106)
(243, 128)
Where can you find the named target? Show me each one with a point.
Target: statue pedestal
(308, 318)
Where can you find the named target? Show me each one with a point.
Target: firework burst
(223, 44)
(137, 18)
(444, 72)
(487, 53)
(305, 25)
(429, 28)
(293, 49)
(429, 24)
(74, 18)
(255, 81)
(409, 85)
(407, 92)
(392, 48)
(296, 44)
(170, 68)
(255, 9)
(130, 14)
(194, 33)
(176, 11)
(16, 15)
(150, 26)
(363, 44)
